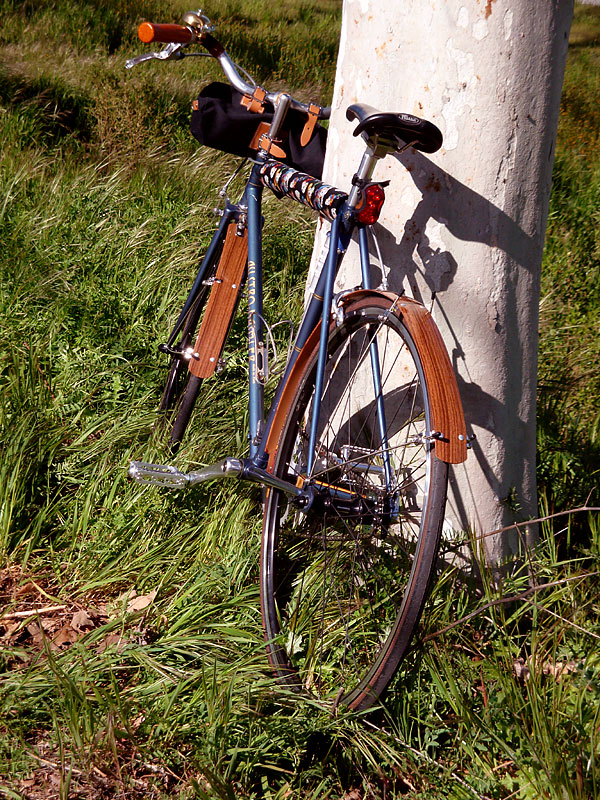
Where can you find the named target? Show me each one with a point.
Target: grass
(569, 387)
(142, 673)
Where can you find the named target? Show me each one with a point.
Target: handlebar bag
(221, 122)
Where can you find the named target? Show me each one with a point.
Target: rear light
(370, 204)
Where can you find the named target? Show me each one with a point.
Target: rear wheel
(344, 581)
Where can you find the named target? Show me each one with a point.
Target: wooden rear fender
(446, 407)
(447, 417)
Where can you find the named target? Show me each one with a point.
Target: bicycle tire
(173, 390)
(342, 591)
(184, 412)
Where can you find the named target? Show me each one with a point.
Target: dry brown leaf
(141, 602)
(110, 640)
(66, 635)
(101, 611)
(9, 629)
(559, 669)
(521, 670)
(55, 779)
(81, 619)
(34, 630)
(27, 588)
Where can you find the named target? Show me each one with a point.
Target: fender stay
(446, 407)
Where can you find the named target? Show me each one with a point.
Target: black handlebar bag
(221, 122)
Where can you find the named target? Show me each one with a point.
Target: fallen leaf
(34, 630)
(141, 602)
(559, 669)
(81, 619)
(556, 669)
(66, 635)
(111, 640)
(100, 610)
(27, 588)
(9, 629)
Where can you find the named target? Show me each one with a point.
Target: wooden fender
(221, 304)
(447, 417)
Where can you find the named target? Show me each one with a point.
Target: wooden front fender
(447, 418)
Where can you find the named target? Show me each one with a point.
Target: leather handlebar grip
(152, 32)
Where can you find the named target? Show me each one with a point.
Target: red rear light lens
(372, 200)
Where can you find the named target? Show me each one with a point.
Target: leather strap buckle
(255, 102)
(262, 140)
(271, 146)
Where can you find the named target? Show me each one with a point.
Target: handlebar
(198, 28)
(153, 32)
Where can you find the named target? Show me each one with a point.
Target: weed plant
(131, 655)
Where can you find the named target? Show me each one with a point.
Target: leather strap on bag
(309, 126)
(260, 139)
(221, 304)
(255, 101)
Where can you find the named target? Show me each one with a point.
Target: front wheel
(178, 369)
(344, 581)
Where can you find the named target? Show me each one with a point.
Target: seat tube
(375, 364)
(256, 350)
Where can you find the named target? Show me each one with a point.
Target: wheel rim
(339, 586)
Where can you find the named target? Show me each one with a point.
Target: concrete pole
(463, 230)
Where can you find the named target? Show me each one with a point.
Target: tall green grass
(105, 203)
(569, 383)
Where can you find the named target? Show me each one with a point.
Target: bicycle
(353, 455)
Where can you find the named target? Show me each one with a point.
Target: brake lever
(172, 51)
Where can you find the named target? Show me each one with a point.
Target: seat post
(363, 174)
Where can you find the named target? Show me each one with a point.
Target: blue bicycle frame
(318, 310)
(249, 212)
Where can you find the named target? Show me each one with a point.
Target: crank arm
(172, 478)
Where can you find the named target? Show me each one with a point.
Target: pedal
(172, 478)
(157, 475)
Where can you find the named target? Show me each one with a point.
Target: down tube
(340, 236)
(256, 353)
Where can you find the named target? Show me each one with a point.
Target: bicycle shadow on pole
(428, 271)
